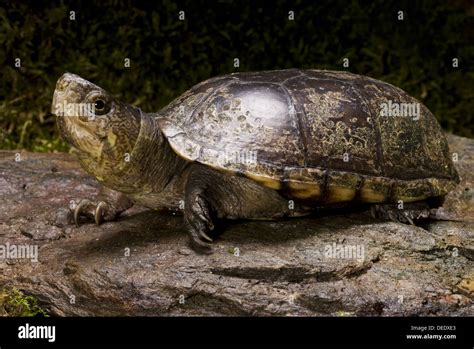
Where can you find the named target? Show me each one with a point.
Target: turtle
(259, 145)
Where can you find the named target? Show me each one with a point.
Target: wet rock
(338, 265)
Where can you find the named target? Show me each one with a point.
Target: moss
(15, 303)
(233, 250)
(168, 56)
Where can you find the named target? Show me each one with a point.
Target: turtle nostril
(62, 84)
(64, 81)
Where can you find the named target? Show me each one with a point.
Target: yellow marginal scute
(370, 195)
(340, 194)
(410, 198)
(265, 181)
(302, 190)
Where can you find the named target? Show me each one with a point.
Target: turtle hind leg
(409, 214)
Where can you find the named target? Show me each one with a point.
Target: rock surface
(338, 265)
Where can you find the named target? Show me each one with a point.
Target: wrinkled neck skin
(153, 174)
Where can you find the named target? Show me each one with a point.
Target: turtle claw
(80, 209)
(392, 216)
(205, 236)
(408, 218)
(199, 222)
(200, 246)
(373, 211)
(198, 232)
(99, 212)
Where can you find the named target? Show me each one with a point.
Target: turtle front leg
(198, 217)
(211, 196)
(107, 207)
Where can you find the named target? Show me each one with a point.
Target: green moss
(342, 313)
(168, 56)
(15, 303)
(232, 250)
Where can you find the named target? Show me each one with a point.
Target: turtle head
(99, 126)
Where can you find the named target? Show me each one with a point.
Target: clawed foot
(199, 223)
(98, 211)
(406, 215)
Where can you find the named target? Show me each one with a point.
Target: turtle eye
(101, 107)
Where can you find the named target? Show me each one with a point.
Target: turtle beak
(68, 79)
(60, 94)
(64, 131)
(55, 107)
(70, 88)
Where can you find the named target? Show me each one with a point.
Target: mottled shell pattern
(313, 135)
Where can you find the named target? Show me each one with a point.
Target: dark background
(168, 56)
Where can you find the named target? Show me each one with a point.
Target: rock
(339, 265)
